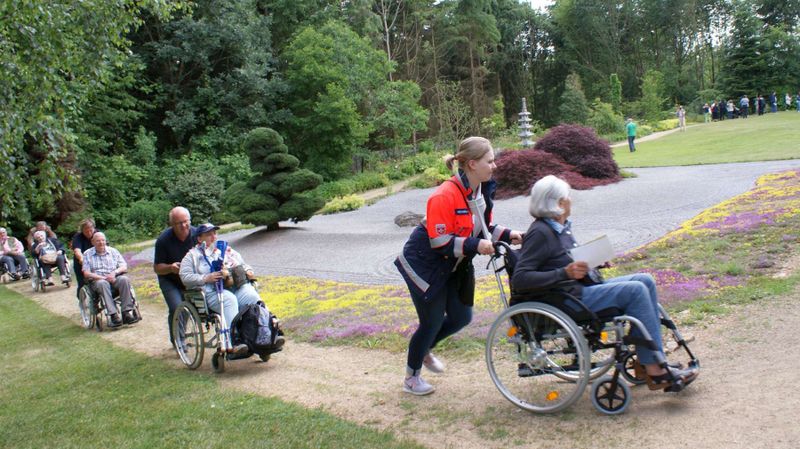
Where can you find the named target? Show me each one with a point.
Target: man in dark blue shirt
(82, 242)
(173, 243)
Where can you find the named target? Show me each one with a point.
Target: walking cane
(225, 332)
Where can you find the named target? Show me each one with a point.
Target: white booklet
(595, 252)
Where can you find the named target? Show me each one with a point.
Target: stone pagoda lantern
(525, 126)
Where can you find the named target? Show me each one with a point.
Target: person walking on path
(436, 262)
(706, 113)
(681, 113)
(82, 242)
(173, 243)
(788, 101)
(631, 129)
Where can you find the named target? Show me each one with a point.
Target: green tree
(333, 74)
(473, 34)
(653, 99)
(397, 114)
(573, 107)
(615, 91)
(52, 59)
(210, 76)
(276, 193)
(604, 119)
(452, 113)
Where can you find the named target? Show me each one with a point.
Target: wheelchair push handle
(501, 248)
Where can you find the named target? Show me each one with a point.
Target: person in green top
(631, 127)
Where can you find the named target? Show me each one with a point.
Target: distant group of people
(760, 105)
(95, 264)
(183, 258)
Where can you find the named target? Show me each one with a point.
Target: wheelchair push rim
(525, 348)
(187, 333)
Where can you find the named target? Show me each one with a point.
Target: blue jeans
(636, 296)
(78, 270)
(173, 296)
(439, 318)
(630, 143)
(15, 264)
(230, 303)
(246, 295)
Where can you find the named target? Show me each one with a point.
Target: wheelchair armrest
(197, 297)
(557, 296)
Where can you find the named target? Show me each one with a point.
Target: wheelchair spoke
(525, 347)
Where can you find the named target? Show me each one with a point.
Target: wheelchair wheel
(527, 346)
(218, 362)
(36, 281)
(85, 306)
(187, 333)
(264, 357)
(628, 371)
(610, 396)
(99, 318)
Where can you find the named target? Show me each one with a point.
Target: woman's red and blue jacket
(445, 236)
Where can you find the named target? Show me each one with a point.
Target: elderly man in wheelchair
(559, 321)
(104, 271)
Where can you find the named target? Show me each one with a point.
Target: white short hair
(545, 195)
(39, 235)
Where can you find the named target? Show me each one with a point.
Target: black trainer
(129, 317)
(115, 321)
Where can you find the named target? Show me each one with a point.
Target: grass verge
(64, 387)
(769, 137)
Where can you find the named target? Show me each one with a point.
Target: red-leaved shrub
(517, 171)
(579, 146)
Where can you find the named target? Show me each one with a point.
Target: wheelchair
(38, 280)
(543, 352)
(196, 327)
(93, 309)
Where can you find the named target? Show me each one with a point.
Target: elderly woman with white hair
(545, 261)
(49, 252)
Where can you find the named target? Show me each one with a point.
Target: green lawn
(64, 387)
(769, 137)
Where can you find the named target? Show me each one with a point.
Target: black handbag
(239, 276)
(465, 282)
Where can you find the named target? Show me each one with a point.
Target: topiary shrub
(279, 189)
(579, 146)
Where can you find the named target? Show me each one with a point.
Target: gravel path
(360, 246)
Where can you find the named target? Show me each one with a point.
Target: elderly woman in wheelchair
(48, 252)
(559, 321)
(198, 270)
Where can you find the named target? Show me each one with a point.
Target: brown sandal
(653, 382)
(666, 380)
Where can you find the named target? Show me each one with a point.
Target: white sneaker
(416, 385)
(433, 364)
